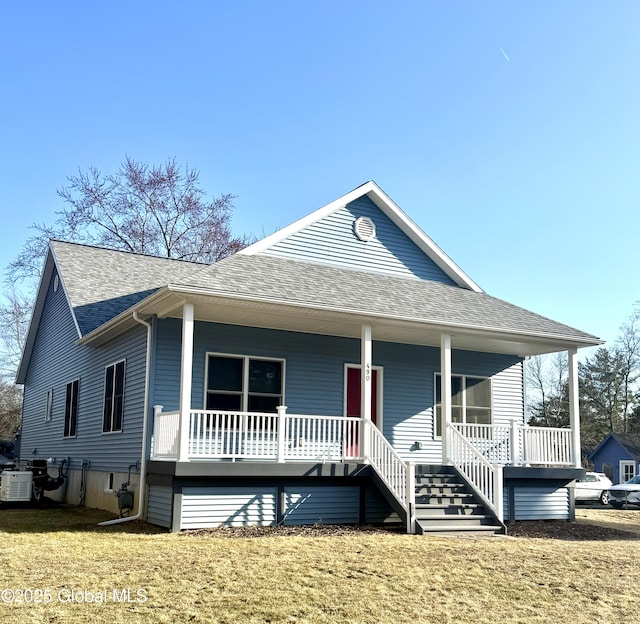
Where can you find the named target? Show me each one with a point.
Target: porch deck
(252, 440)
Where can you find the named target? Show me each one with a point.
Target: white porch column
(365, 386)
(186, 369)
(445, 392)
(574, 408)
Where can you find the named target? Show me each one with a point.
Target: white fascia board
(64, 289)
(50, 264)
(187, 291)
(424, 242)
(184, 293)
(391, 210)
(300, 224)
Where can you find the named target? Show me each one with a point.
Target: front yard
(58, 566)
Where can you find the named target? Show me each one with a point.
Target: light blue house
(341, 370)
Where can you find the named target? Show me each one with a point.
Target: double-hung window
(113, 397)
(71, 409)
(470, 400)
(244, 384)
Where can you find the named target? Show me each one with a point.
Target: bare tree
(155, 210)
(629, 349)
(10, 410)
(547, 377)
(14, 324)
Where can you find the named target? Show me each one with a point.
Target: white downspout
(143, 459)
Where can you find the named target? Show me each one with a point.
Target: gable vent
(365, 229)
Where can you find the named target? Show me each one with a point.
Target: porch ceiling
(331, 322)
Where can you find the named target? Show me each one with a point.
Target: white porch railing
(547, 446)
(485, 477)
(399, 476)
(254, 435)
(165, 435)
(518, 444)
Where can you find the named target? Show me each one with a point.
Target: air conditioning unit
(16, 486)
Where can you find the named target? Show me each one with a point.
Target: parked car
(625, 493)
(593, 487)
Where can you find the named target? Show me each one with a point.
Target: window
(627, 470)
(48, 405)
(244, 384)
(113, 398)
(71, 409)
(470, 400)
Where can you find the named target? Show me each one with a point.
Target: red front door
(354, 394)
(354, 406)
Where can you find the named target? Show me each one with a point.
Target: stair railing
(398, 476)
(485, 478)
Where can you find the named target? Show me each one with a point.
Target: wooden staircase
(446, 504)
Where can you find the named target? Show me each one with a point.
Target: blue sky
(508, 131)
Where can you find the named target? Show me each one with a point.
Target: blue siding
(316, 504)
(160, 505)
(377, 509)
(541, 503)
(210, 507)
(331, 240)
(315, 376)
(56, 360)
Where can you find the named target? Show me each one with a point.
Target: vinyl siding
(377, 510)
(321, 505)
(159, 505)
(332, 240)
(56, 360)
(314, 378)
(210, 507)
(540, 503)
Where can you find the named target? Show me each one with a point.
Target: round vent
(365, 229)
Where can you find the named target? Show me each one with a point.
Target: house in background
(341, 370)
(618, 456)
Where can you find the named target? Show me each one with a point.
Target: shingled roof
(103, 283)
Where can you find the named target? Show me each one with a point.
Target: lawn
(65, 560)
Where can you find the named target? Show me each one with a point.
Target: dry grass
(624, 520)
(349, 577)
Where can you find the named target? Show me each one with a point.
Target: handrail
(485, 477)
(395, 473)
(518, 444)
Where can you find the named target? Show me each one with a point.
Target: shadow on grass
(52, 517)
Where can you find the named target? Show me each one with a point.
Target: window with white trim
(627, 470)
(113, 397)
(71, 409)
(470, 400)
(244, 384)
